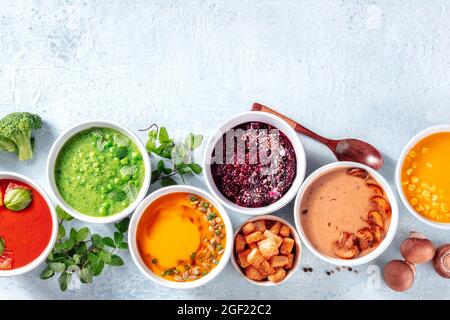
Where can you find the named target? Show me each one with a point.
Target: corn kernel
(426, 193)
(412, 154)
(433, 213)
(405, 183)
(412, 187)
(414, 201)
(419, 191)
(434, 197)
(420, 208)
(414, 179)
(425, 150)
(409, 171)
(429, 165)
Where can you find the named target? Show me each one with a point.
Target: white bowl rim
(140, 210)
(298, 246)
(44, 254)
(394, 216)
(298, 149)
(398, 173)
(71, 132)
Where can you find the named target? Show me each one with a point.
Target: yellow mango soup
(426, 177)
(181, 237)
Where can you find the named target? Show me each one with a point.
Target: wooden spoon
(344, 150)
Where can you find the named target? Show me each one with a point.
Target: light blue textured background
(374, 70)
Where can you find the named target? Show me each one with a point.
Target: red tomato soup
(26, 233)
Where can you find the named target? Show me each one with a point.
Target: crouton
(254, 237)
(242, 258)
(276, 227)
(285, 231)
(279, 275)
(291, 262)
(239, 243)
(287, 246)
(255, 258)
(265, 269)
(253, 245)
(253, 274)
(260, 225)
(278, 261)
(248, 228)
(270, 234)
(268, 248)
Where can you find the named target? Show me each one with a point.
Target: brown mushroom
(358, 172)
(376, 189)
(365, 238)
(375, 218)
(381, 205)
(346, 247)
(441, 261)
(417, 249)
(399, 275)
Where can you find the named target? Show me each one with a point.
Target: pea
(106, 205)
(117, 181)
(124, 204)
(95, 164)
(108, 144)
(116, 161)
(103, 190)
(108, 137)
(136, 156)
(125, 178)
(136, 183)
(94, 143)
(124, 161)
(109, 187)
(103, 211)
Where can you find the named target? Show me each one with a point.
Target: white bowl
(398, 173)
(61, 141)
(132, 238)
(390, 233)
(278, 123)
(298, 251)
(43, 256)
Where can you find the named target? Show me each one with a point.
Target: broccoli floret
(17, 127)
(7, 145)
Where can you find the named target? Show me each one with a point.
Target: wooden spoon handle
(297, 126)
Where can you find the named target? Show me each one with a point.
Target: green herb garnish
(173, 159)
(83, 254)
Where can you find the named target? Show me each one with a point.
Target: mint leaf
(97, 268)
(107, 241)
(64, 280)
(57, 267)
(115, 261)
(128, 170)
(118, 238)
(47, 273)
(194, 141)
(82, 234)
(197, 169)
(121, 140)
(163, 136)
(165, 182)
(122, 226)
(85, 275)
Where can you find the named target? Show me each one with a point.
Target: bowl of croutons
(267, 250)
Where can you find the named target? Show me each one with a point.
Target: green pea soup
(99, 172)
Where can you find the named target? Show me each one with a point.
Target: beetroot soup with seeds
(254, 165)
